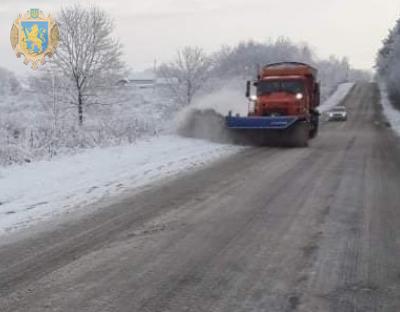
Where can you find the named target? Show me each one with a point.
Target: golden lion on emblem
(33, 37)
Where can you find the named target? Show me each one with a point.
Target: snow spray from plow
(205, 124)
(205, 119)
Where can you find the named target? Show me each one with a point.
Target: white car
(338, 113)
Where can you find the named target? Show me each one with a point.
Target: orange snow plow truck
(283, 108)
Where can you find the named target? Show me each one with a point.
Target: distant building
(143, 80)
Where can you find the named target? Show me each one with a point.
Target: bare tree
(186, 75)
(88, 56)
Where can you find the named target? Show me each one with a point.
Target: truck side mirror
(248, 85)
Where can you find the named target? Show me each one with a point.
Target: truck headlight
(299, 96)
(253, 98)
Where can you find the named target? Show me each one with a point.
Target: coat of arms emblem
(34, 36)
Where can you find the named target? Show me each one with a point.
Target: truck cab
(281, 97)
(284, 103)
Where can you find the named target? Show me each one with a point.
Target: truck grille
(275, 112)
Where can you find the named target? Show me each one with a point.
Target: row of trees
(388, 64)
(193, 72)
(75, 102)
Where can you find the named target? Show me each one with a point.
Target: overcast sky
(154, 29)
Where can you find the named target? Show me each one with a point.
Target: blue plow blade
(275, 123)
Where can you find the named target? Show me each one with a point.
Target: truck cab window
(271, 86)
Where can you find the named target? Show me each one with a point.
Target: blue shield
(35, 36)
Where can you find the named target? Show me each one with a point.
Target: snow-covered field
(337, 97)
(41, 190)
(392, 114)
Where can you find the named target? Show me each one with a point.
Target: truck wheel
(315, 124)
(314, 132)
(300, 135)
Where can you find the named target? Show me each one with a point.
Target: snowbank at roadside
(337, 97)
(41, 190)
(392, 114)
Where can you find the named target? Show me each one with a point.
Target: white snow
(337, 97)
(392, 114)
(42, 190)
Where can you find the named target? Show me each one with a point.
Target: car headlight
(253, 98)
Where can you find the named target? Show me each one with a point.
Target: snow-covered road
(264, 230)
(40, 190)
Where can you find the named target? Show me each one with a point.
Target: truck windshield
(290, 86)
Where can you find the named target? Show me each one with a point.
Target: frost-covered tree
(187, 74)
(88, 56)
(386, 54)
(388, 64)
(242, 61)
